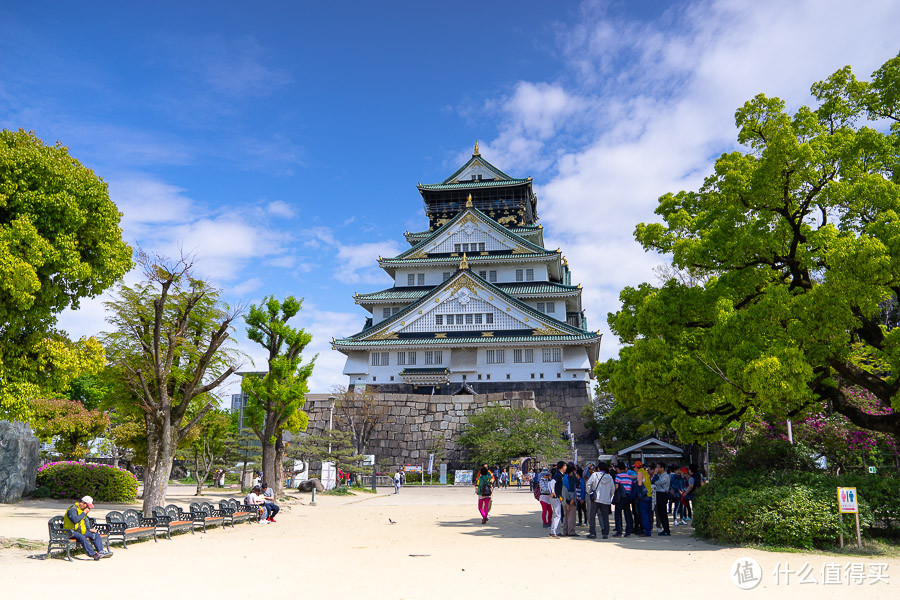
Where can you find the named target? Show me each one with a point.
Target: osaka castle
(478, 304)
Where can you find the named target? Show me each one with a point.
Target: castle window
(411, 279)
(433, 357)
(481, 246)
(380, 359)
(552, 355)
(525, 355)
(438, 319)
(478, 318)
(529, 274)
(395, 310)
(386, 312)
(551, 307)
(492, 276)
(520, 275)
(489, 318)
(447, 276)
(482, 274)
(468, 319)
(496, 357)
(420, 279)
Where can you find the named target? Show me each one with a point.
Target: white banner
(329, 475)
(430, 463)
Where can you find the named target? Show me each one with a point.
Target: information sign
(462, 478)
(847, 500)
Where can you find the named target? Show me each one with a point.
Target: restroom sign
(847, 500)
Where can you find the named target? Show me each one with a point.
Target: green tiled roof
(414, 293)
(486, 219)
(572, 332)
(418, 236)
(465, 185)
(479, 340)
(478, 158)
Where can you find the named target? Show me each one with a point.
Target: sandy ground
(436, 549)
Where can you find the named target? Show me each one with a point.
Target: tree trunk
(160, 453)
(278, 482)
(197, 471)
(268, 462)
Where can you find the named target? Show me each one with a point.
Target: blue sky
(282, 142)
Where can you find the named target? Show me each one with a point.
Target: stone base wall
(416, 422)
(564, 399)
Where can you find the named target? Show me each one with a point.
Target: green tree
(498, 434)
(60, 241)
(794, 249)
(275, 399)
(332, 446)
(168, 344)
(208, 443)
(69, 424)
(619, 426)
(359, 413)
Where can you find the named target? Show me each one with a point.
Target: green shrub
(791, 508)
(763, 454)
(72, 480)
(41, 492)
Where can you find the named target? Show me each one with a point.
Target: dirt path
(437, 548)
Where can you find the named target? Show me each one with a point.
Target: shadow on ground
(524, 527)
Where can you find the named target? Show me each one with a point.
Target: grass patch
(23, 543)
(341, 491)
(364, 490)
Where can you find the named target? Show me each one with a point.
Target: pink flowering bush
(71, 480)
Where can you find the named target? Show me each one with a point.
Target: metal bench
(61, 538)
(129, 524)
(179, 516)
(166, 523)
(235, 511)
(210, 516)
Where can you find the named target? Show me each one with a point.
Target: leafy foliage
(792, 247)
(763, 454)
(60, 241)
(791, 508)
(276, 398)
(497, 434)
(70, 480)
(333, 446)
(72, 425)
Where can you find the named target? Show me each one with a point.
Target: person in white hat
(80, 524)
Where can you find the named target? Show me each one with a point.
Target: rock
(309, 484)
(19, 460)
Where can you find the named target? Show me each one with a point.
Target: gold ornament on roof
(463, 264)
(469, 201)
(476, 152)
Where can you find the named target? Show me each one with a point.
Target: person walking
(518, 478)
(662, 482)
(484, 490)
(600, 490)
(397, 480)
(556, 492)
(623, 501)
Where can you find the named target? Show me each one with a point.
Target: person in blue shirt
(580, 496)
(570, 502)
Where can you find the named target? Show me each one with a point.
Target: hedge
(792, 508)
(72, 480)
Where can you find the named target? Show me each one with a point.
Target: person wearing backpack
(556, 491)
(484, 490)
(622, 500)
(600, 490)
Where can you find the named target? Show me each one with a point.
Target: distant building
(238, 402)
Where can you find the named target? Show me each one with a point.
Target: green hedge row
(793, 508)
(72, 480)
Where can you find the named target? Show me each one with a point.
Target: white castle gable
(468, 235)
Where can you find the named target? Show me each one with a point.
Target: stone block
(19, 460)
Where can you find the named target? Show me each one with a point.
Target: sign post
(847, 503)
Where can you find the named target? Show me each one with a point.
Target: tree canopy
(497, 434)
(60, 241)
(792, 248)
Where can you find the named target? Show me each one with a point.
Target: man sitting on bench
(78, 522)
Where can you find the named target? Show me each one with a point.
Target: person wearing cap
(77, 521)
(544, 486)
(643, 517)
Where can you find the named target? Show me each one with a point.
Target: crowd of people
(638, 496)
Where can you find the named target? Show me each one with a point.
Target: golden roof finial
(469, 201)
(463, 264)
(476, 153)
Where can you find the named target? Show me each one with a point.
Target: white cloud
(279, 208)
(660, 99)
(355, 264)
(246, 287)
(145, 201)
